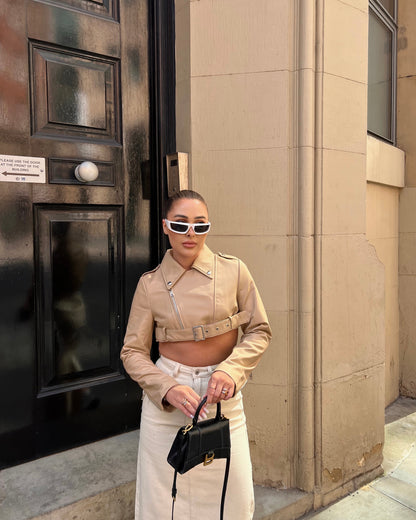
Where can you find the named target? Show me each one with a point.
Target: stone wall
(385, 179)
(406, 133)
(272, 107)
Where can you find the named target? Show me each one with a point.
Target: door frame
(162, 111)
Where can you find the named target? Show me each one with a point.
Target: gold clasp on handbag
(209, 457)
(187, 428)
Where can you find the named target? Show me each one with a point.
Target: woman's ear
(165, 228)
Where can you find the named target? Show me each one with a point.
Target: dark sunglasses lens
(200, 229)
(179, 227)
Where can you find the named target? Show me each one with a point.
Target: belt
(201, 332)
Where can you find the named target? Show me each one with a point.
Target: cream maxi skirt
(199, 490)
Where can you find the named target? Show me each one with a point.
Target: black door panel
(79, 283)
(74, 87)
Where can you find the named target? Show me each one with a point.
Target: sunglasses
(183, 227)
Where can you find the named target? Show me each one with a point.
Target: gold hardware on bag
(209, 457)
(187, 428)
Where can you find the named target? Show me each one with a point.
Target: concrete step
(97, 481)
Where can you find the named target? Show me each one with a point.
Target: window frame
(390, 22)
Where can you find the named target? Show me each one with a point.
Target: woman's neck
(184, 262)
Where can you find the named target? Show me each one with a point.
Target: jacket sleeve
(256, 333)
(135, 353)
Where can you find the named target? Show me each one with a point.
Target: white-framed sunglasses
(182, 228)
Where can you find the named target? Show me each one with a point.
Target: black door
(74, 87)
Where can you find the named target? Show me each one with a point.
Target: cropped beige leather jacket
(216, 295)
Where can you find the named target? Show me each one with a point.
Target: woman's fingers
(185, 399)
(220, 387)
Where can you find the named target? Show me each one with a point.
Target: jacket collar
(172, 271)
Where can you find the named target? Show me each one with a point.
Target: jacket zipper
(172, 297)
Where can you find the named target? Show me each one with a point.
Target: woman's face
(185, 248)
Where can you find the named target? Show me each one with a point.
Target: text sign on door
(19, 168)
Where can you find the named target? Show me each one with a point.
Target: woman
(194, 301)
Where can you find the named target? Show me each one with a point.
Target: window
(382, 31)
(389, 6)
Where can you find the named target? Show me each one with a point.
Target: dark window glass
(379, 78)
(382, 33)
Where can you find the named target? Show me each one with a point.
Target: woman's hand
(185, 399)
(220, 387)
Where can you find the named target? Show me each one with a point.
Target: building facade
(271, 105)
(270, 100)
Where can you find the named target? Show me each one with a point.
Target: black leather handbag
(200, 443)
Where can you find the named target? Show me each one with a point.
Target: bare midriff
(210, 351)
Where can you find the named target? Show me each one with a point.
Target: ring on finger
(184, 402)
(224, 391)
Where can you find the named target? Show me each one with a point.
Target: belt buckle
(195, 333)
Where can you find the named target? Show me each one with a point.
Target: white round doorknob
(86, 171)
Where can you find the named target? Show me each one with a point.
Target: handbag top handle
(201, 404)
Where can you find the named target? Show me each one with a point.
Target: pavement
(393, 495)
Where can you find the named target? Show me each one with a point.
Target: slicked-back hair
(183, 194)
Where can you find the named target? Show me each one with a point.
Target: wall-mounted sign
(19, 168)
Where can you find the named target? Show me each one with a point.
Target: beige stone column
(304, 210)
(235, 102)
(271, 105)
(349, 278)
(406, 140)
(385, 178)
(340, 279)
